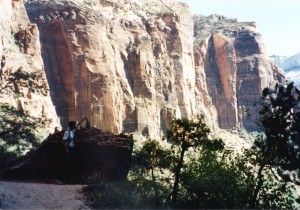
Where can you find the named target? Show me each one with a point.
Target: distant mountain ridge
(278, 60)
(287, 63)
(291, 65)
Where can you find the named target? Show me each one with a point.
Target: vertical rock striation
(236, 67)
(133, 65)
(20, 50)
(126, 65)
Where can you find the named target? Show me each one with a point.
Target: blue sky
(277, 20)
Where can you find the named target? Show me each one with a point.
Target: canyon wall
(133, 65)
(232, 56)
(20, 52)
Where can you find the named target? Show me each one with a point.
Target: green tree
(17, 132)
(280, 120)
(151, 157)
(212, 179)
(17, 127)
(266, 189)
(185, 134)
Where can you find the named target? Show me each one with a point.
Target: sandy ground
(18, 195)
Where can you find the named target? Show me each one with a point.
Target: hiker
(68, 139)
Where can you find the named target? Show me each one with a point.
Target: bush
(145, 175)
(111, 194)
(17, 132)
(210, 181)
(122, 194)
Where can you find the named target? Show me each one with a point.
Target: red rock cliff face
(20, 50)
(236, 67)
(132, 65)
(127, 66)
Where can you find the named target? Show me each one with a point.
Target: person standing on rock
(68, 139)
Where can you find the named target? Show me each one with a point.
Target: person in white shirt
(68, 138)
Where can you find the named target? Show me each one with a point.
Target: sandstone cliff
(20, 51)
(131, 65)
(231, 55)
(126, 65)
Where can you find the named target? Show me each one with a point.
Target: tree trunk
(154, 186)
(177, 175)
(253, 200)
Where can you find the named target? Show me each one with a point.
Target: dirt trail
(19, 195)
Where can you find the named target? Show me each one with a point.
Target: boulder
(94, 152)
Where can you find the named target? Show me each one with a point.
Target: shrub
(17, 132)
(107, 194)
(122, 194)
(212, 180)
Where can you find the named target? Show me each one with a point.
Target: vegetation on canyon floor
(197, 171)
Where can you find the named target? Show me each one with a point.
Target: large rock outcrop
(132, 65)
(20, 51)
(232, 56)
(104, 153)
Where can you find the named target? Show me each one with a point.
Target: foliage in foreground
(266, 188)
(277, 150)
(106, 194)
(280, 118)
(17, 132)
(186, 134)
(196, 171)
(211, 180)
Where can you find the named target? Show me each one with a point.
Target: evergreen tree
(183, 135)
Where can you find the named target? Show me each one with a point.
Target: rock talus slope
(133, 65)
(20, 50)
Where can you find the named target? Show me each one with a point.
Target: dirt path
(18, 195)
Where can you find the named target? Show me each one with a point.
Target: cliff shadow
(56, 55)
